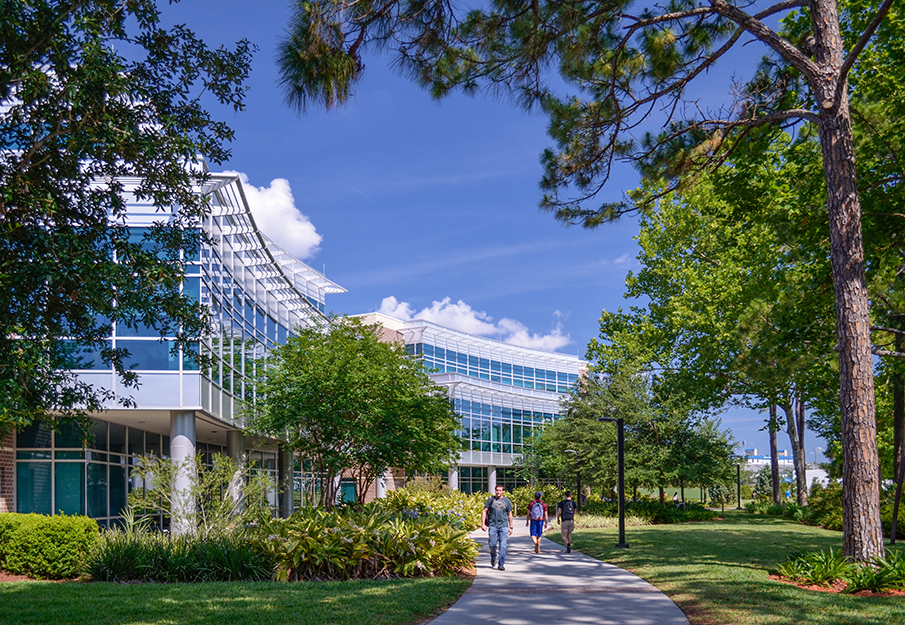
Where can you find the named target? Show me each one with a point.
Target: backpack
(537, 511)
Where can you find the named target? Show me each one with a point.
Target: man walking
(496, 520)
(565, 514)
(537, 519)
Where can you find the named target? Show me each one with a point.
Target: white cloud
(462, 317)
(276, 215)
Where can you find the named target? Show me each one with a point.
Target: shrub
(821, 568)
(45, 547)
(348, 543)
(870, 576)
(156, 557)
(450, 506)
(825, 506)
(593, 521)
(522, 497)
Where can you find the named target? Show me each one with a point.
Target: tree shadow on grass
(717, 572)
(391, 602)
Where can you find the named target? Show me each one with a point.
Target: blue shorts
(537, 528)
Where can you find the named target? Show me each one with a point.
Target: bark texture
(774, 461)
(862, 531)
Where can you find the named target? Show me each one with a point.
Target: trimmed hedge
(45, 547)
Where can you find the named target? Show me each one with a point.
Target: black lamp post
(577, 475)
(620, 450)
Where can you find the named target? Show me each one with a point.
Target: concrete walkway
(556, 587)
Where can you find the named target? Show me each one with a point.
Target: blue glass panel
(69, 481)
(495, 366)
(281, 335)
(260, 326)
(33, 488)
(528, 372)
(191, 288)
(484, 363)
(440, 353)
(573, 378)
(97, 490)
(462, 359)
(69, 435)
(484, 376)
(192, 269)
(551, 375)
(562, 377)
(517, 382)
(271, 330)
(117, 489)
(151, 355)
(38, 434)
(190, 357)
(473, 361)
(117, 438)
(494, 378)
(507, 381)
(84, 356)
(428, 350)
(507, 368)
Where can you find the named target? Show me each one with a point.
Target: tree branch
(884, 329)
(782, 46)
(862, 43)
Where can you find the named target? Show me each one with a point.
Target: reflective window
(150, 355)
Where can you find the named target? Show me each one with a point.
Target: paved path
(556, 587)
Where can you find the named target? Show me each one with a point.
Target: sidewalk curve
(556, 587)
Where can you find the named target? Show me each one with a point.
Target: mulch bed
(837, 587)
(9, 577)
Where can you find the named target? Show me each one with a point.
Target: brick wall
(7, 474)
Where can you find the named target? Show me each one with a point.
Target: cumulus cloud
(462, 317)
(275, 213)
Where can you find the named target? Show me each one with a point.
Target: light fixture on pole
(577, 476)
(816, 449)
(620, 451)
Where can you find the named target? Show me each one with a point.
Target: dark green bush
(652, 511)
(155, 557)
(45, 547)
(825, 506)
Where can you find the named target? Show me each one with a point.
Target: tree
(626, 64)
(349, 403)
(98, 104)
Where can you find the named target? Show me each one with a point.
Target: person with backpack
(495, 519)
(537, 519)
(565, 514)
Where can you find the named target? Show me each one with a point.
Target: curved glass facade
(502, 392)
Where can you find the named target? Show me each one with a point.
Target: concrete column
(235, 449)
(182, 454)
(380, 485)
(286, 468)
(491, 479)
(453, 478)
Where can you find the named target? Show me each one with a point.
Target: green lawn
(717, 572)
(392, 602)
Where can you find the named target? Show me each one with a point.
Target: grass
(717, 571)
(391, 602)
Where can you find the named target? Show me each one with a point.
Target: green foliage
(45, 547)
(522, 497)
(349, 403)
(825, 506)
(820, 567)
(595, 521)
(652, 511)
(223, 496)
(346, 543)
(823, 568)
(449, 506)
(98, 91)
(721, 494)
(138, 556)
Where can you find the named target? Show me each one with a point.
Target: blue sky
(423, 208)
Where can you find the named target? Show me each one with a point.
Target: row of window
(438, 359)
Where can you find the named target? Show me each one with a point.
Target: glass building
(502, 392)
(256, 294)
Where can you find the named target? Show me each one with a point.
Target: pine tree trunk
(774, 461)
(801, 481)
(861, 528)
